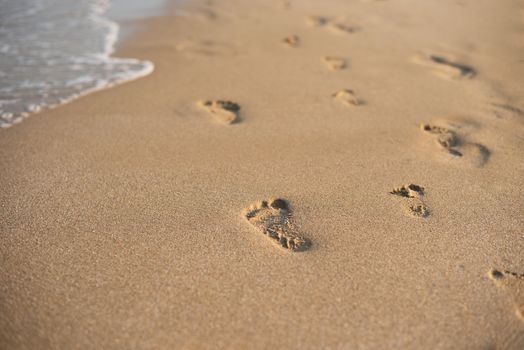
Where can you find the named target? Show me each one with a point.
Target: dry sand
(123, 214)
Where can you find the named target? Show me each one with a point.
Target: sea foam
(54, 51)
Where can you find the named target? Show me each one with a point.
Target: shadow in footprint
(414, 204)
(456, 146)
(273, 218)
(335, 63)
(347, 97)
(512, 282)
(464, 71)
(223, 111)
(292, 40)
(446, 67)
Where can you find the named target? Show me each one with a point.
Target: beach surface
(293, 175)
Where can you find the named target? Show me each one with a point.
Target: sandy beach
(293, 175)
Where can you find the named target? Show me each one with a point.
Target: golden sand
(123, 215)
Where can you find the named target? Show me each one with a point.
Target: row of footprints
(334, 63)
(228, 112)
(274, 219)
(449, 140)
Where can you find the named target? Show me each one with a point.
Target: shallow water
(53, 51)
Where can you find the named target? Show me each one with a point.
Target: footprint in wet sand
(347, 97)
(292, 40)
(273, 218)
(446, 67)
(512, 282)
(414, 204)
(335, 63)
(456, 146)
(226, 112)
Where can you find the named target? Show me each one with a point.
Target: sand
(139, 217)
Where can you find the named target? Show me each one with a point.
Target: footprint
(292, 40)
(226, 112)
(446, 67)
(347, 97)
(316, 21)
(501, 110)
(274, 219)
(457, 147)
(419, 210)
(335, 63)
(335, 27)
(409, 191)
(476, 153)
(341, 28)
(415, 204)
(514, 283)
(447, 139)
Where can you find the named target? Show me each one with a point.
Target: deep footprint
(226, 112)
(456, 146)
(274, 219)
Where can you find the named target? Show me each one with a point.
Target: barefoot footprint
(446, 138)
(334, 26)
(347, 97)
(274, 219)
(226, 112)
(335, 63)
(458, 70)
(414, 193)
(341, 28)
(446, 67)
(514, 283)
(292, 40)
(316, 21)
(456, 146)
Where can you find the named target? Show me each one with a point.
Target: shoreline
(137, 217)
(102, 69)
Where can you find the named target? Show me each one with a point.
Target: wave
(54, 51)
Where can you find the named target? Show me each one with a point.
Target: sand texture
(293, 175)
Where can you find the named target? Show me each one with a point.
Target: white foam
(55, 51)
